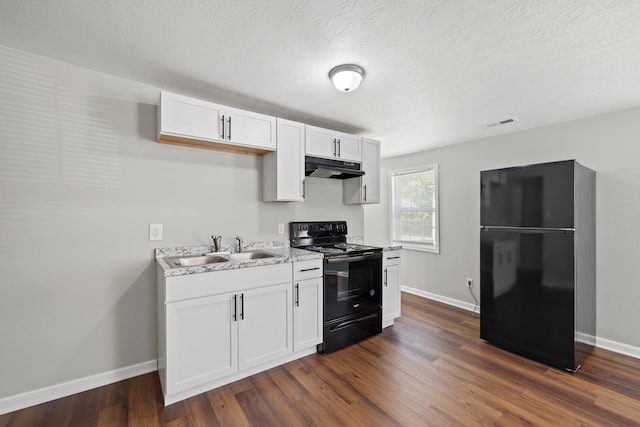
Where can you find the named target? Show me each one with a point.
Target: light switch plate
(281, 228)
(155, 231)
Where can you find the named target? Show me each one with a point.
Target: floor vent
(500, 123)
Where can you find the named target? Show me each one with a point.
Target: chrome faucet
(216, 243)
(239, 239)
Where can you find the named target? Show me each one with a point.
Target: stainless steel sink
(214, 258)
(245, 256)
(194, 260)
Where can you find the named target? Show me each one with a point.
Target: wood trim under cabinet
(217, 146)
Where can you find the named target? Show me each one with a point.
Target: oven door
(352, 285)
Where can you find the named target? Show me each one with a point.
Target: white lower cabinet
(202, 341)
(390, 287)
(264, 324)
(307, 312)
(308, 303)
(217, 327)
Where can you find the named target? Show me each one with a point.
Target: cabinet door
(371, 167)
(248, 128)
(349, 147)
(320, 142)
(390, 293)
(201, 341)
(189, 117)
(290, 161)
(365, 189)
(307, 313)
(265, 325)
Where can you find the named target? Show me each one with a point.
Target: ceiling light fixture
(346, 78)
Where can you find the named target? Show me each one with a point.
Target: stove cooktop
(339, 248)
(329, 238)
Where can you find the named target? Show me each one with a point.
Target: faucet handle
(216, 242)
(239, 239)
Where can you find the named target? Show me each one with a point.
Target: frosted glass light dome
(346, 78)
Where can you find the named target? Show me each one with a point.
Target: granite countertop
(360, 241)
(287, 255)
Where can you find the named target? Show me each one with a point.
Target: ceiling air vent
(500, 123)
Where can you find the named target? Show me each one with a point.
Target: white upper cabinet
(320, 142)
(247, 128)
(349, 147)
(189, 121)
(283, 170)
(187, 117)
(365, 189)
(331, 144)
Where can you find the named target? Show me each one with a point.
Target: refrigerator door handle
(528, 229)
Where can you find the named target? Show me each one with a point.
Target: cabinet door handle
(310, 269)
(297, 295)
(335, 146)
(242, 306)
(235, 308)
(365, 193)
(385, 277)
(229, 121)
(223, 127)
(339, 149)
(304, 189)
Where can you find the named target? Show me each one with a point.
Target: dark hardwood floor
(430, 369)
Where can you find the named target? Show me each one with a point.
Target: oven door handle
(365, 257)
(351, 322)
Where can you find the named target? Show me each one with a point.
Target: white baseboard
(617, 347)
(46, 394)
(446, 300)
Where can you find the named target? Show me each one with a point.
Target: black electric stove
(352, 282)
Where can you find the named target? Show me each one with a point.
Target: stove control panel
(317, 229)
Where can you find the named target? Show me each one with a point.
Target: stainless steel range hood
(330, 168)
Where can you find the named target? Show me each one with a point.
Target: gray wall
(81, 179)
(609, 144)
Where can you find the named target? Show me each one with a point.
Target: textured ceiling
(436, 71)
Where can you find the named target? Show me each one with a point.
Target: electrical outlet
(281, 228)
(155, 231)
(469, 283)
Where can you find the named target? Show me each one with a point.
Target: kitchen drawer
(391, 258)
(303, 270)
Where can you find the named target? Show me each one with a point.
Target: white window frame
(417, 246)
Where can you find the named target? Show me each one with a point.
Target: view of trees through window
(415, 206)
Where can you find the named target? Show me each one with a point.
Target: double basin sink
(215, 258)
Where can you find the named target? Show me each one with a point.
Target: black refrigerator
(537, 261)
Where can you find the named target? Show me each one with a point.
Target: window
(414, 208)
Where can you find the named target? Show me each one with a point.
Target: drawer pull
(310, 269)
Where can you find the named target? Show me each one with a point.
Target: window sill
(415, 247)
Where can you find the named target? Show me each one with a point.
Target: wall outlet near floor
(281, 228)
(469, 283)
(155, 231)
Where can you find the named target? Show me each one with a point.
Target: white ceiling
(436, 70)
